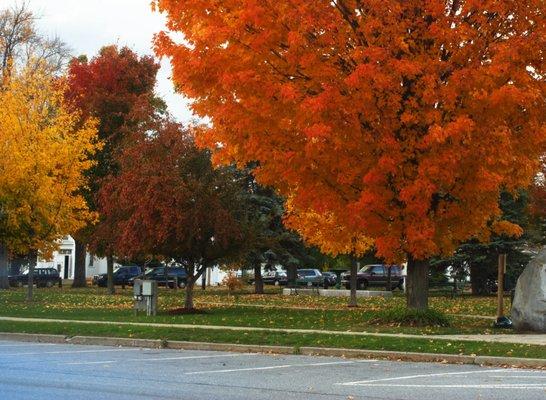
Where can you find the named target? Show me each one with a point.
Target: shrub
(409, 317)
(232, 282)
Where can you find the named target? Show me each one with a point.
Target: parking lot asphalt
(62, 371)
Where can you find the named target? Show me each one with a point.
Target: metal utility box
(137, 288)
(149, 288)
(145, 296)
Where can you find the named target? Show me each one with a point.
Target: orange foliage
(402, 120)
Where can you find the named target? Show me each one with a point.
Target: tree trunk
(79, 265)
(4, 265)
(110, 274)
(31, 267)
(204, 280)
(352, 281)
(188, 299)
(389, 278)
(417, 284)
(194, 273)
(292, 276)
(478, 279)
(258, 280)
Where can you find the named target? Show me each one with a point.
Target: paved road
(59, 371)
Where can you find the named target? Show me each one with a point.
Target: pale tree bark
(4, 265)
(352, 282)
(79, 265)
(110, 274)
(33, 256)
(417, 284)
(194, 273)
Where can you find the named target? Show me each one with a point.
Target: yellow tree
(45, 147)
(333, 236)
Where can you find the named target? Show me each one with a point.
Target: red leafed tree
(404, 118)
(117, 88)
(169, 201)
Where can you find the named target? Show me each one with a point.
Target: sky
(88, 25)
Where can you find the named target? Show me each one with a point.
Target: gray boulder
(529, 308)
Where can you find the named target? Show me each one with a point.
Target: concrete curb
(390, 355)
(33, 337)
(308, 351)
(336, 292)
(511, 361)
(238, 348)
(119, 342)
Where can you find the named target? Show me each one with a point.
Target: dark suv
(172, 276)
(330, 279)
(122, 275)
(277, 278)
(375, 275)
(43, 277)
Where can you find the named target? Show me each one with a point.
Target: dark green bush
(409, 317)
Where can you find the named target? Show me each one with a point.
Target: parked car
(43, 277)
(309, 277)
(271, 278)
(276, 278)
(122, 275)
(375, 275)
(330, 279)
(172, 275)
(492, 285)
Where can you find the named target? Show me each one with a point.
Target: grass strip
(296, 340)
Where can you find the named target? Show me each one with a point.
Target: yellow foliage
(507, 228)
(45, 149)
(326, 232)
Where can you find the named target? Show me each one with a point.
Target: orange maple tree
(403, 118)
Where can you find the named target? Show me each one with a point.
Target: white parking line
(529, 386)
(222, 371)
(519, 376)
(366, 382)
(155, 359)
(67, 352)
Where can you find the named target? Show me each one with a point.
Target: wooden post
(500, 286)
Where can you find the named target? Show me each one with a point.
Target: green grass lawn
(270, 310)
(267, 311)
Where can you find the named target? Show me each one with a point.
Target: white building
(63, 261)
